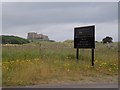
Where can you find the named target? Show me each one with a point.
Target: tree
(107, 40)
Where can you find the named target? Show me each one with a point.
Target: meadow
(55, 62)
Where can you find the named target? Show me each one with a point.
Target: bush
(13, 40)
(107, 40)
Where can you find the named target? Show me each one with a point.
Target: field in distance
(55, 62)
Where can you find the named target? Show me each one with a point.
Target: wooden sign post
(77, 55)
(84, 37)
(92, 56)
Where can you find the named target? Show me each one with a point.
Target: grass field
(54, 62)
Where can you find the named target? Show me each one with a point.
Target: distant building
(33, 35)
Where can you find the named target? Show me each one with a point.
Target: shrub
(13, 40)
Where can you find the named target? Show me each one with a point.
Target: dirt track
(74, 86)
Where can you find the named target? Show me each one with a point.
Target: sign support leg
(77, 56)
(92, 56)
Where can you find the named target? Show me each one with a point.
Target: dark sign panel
(84, 37)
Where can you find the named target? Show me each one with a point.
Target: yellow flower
(68, 70)
(110, 69)
(100, 65)
(67, 64)
(17, 60)
(96, 61)
(7, 68)
(105, 63)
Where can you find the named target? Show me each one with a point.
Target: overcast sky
(57, 20)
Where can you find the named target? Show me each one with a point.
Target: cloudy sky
(58, 19)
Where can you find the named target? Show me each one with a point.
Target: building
(33, 35)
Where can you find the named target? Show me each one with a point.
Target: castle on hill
(33, 35)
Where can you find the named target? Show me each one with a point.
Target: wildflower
(12, 62)
(67, 64)
(67, 57)
(105, 63)
(27, 60)
(17, 60)
(68, 70)
(110, 69)
(96, 61)
(100, 65)
(7, 68)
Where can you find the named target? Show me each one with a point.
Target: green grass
(53, 62)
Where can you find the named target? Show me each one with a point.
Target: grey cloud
(57, 20)
(61, 32)
(29, 13)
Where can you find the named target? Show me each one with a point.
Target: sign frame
(84, 37)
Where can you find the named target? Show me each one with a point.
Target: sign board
(84, 37)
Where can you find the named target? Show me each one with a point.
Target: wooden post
(92, 56)
(77, 54)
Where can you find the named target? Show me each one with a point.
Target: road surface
(113, 85)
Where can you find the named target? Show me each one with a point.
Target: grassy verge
(55, 62)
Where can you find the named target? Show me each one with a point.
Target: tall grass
(44, 62)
